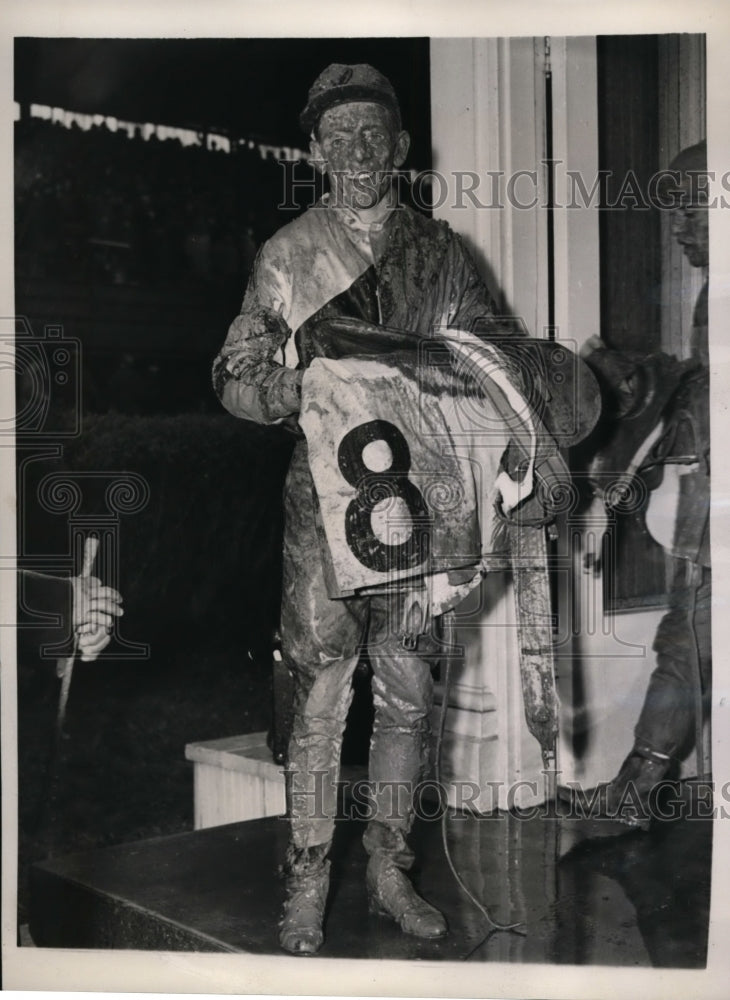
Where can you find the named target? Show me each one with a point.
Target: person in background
(667, 722)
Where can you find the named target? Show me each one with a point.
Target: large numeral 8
(374, 487)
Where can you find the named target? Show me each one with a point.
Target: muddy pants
(321, 643)
(666, 723)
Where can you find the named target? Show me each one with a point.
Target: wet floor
(582, 893)
(580, 898)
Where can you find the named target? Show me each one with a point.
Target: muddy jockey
(360, 268)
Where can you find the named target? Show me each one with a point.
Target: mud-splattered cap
(340, 84)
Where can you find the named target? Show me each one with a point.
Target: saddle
(559, 387)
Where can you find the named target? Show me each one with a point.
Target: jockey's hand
(94, 610)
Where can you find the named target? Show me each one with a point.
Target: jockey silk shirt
(405, 271)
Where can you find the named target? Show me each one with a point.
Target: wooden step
(235, 779)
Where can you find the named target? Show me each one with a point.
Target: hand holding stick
(65, 666)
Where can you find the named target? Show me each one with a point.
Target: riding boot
(307, 877)
(628, 796)
(389, 891)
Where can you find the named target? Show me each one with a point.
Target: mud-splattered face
(690, 226)
(358, 147)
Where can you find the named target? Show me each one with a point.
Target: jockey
(357, 253)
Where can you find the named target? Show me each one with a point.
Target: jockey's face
(690, 225)
(358, 146)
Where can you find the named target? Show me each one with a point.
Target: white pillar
(575, 151)
(488, 119)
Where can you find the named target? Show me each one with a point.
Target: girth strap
(528, 548)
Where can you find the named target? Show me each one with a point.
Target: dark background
(247, 87)
(137, 253)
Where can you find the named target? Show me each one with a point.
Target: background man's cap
(691, 158)
(340, 84)
(687, 170)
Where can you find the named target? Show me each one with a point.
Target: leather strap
(528, 548)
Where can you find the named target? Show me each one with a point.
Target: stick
(65, 666)
(64, 670)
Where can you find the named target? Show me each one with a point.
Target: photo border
(54, 970)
